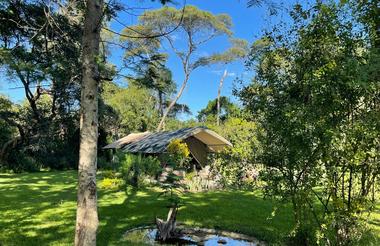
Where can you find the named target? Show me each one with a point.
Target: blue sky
(248, 24)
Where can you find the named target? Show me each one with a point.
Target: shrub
(342, 228)
(19, 162)
(178, 154)
(111, 183)
(104, 164)
(109, 174)
(205, 179)
(179, 148)
(238, 165)
(134, 167)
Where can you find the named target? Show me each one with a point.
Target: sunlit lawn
(39, 209)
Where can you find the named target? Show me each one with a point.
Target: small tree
(172, 187)
(177, 156)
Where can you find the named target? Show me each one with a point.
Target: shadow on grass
(39, 209)
(36, 208)
(241, 212)
(137, 209)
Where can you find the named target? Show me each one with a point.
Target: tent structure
(200, 141)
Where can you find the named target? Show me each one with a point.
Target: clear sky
(248, 24)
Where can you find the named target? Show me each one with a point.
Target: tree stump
(167, 229)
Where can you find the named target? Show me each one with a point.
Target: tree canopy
(197, 27)
(228, 109)
(318, 104)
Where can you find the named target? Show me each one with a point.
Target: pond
(198, 236)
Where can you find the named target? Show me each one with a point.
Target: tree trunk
(87, 214)
(171, 105)
(349, 190)
(161, 106)
(218, 99)
(160, 103)
(7, 146)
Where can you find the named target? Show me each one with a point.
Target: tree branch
(144, 35)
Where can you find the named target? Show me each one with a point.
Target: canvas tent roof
(126, 140)
(153, 143)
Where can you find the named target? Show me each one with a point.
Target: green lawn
(39, 209)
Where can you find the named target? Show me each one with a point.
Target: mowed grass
(39, 209)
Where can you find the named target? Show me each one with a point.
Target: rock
(222, 241)
(179, 173)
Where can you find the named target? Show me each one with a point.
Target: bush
(104, 164)
(134, 167)
(19, 162)
(235, 173)
(203, 180)
(111, 183)
(109, 174)
(237, 165)
(178, 154)
(177, 147)
(342, 228)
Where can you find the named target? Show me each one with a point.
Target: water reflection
(190, 237)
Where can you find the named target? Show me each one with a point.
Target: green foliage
(111, 183)
(238, 50)
(45, 60)
(22, 162)
(227, 108)
(179, 148)
(193, 19)
(175, 124)
(111, 174)
(173, 189)
(178, 154)
(8, 129)
(316, 95)
(134, 168)
(131, 109)
(238, 165)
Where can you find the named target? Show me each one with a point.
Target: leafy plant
(238, 165)
(22, 162)
(173, 188)
(109, 174)
(134, 167)
(178, 154)
(111, 183)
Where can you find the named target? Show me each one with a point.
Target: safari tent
(200, 141)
